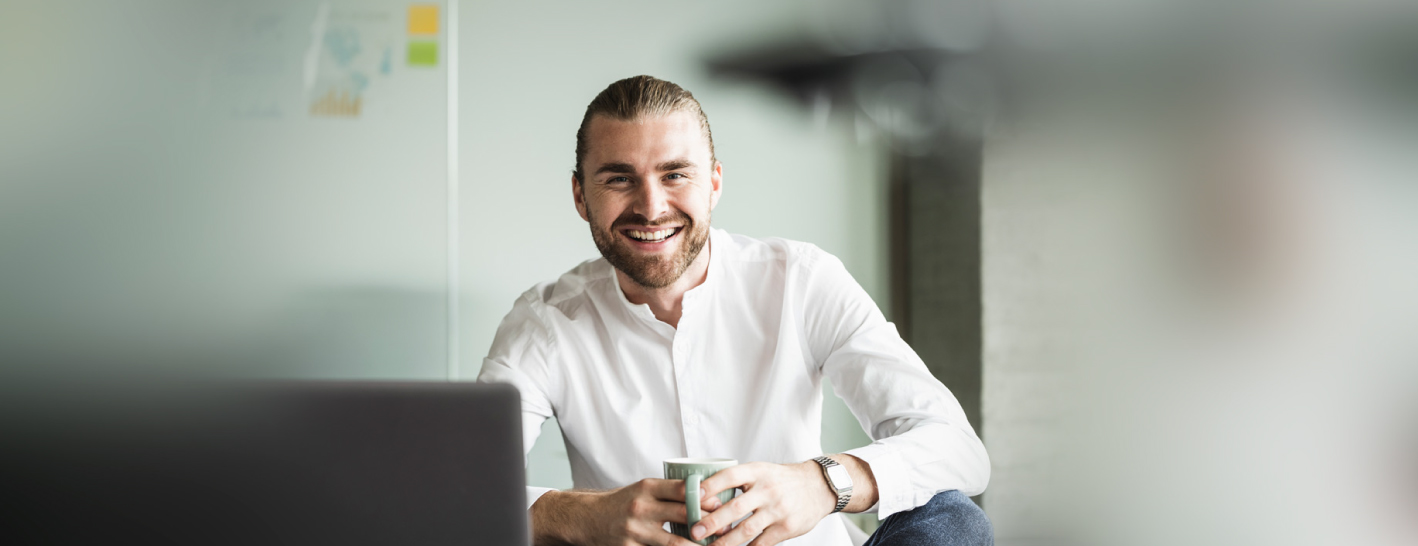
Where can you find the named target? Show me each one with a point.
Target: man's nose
(652, 201)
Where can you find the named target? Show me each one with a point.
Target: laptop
(303, 463)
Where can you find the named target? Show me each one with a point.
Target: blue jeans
(950, 518)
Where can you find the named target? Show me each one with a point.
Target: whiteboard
(249, 188)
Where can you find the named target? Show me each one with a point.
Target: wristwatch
(838, 479)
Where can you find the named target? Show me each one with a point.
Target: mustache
(637, 219)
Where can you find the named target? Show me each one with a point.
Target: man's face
(649, 189)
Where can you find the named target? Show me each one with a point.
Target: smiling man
(686, 341)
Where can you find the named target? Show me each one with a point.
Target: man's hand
(634, 514)
(786, 501)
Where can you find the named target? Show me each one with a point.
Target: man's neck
(668, 303)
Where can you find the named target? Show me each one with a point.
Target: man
(686, 341)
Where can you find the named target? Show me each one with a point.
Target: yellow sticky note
(423, 19)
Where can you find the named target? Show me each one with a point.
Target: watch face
(841, 479)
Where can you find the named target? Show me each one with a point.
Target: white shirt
(740, 378)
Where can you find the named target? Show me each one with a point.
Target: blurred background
(1163, 252)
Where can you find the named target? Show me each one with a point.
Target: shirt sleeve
(922, 444)
(520, 355)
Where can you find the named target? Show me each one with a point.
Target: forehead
(646, 140)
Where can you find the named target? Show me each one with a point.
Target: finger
(747, 530)
(661, 537)
(670, 490)
(771, 536)
(728, 514)
(729, 478)
(651, 509)
(722, 530)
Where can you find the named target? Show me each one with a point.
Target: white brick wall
(1062, 219)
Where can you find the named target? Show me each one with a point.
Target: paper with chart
(351, 53)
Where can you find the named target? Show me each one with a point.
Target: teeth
(650, 236)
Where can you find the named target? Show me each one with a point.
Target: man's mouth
(651, 236)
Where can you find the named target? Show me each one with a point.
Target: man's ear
(717, 181)
(579, 197)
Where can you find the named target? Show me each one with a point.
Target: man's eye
(675, 176)
(618, 180)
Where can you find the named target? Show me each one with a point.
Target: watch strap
(844, 496)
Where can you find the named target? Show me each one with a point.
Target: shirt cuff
(893, 492)
(534, 493)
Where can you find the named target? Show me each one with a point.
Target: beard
(652, 271)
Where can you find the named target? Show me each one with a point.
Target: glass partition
(226, 187)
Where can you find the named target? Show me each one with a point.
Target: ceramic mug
(693, 471)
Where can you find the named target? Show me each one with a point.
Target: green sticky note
(423, 53)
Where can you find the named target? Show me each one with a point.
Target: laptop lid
(269, 463)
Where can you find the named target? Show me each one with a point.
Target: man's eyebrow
(675, 165)
(618, 168)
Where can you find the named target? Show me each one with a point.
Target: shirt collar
(719, 247)
(719, 243)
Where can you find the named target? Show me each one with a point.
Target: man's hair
(635, 98)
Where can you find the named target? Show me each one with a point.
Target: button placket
(686, 395)
(686, 376)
